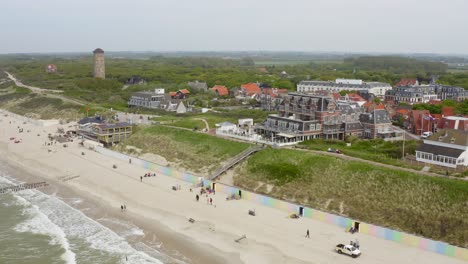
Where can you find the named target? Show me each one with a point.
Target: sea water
(42, 229)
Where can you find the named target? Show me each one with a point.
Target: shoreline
(271, 236)
(179, 249)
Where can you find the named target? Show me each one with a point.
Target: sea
(41, 228)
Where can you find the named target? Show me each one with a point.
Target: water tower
(99, 65)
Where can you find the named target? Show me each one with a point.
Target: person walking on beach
(121, 208)
(307, 234)
(197, 197)
(141, 178)
(211, 201)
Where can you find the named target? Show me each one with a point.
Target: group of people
(148, 174)
(207, 191)
(355, 243)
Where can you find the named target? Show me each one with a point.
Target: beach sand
(163, 213)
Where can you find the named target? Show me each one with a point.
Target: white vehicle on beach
(348, 250)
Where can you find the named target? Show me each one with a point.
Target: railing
(236, 159)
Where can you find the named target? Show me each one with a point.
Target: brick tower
(99, 65)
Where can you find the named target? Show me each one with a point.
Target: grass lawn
(374, 150)
(191, 150)
(190, 120)
(432, 207)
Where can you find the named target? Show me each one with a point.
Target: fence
(365, 228)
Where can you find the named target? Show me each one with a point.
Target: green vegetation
(192, 120)
(396, 64)
(22, 101)
(431, 207)
(376, 150)
(74, 74)
(459, 107)
(197, 152)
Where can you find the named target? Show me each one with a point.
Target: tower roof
(98, 50)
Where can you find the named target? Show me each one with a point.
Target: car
(348, 250)
(426, 134)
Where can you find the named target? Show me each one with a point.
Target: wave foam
(40, 224)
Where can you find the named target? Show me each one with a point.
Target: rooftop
(98, 50)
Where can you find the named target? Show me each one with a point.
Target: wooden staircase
(235, 160)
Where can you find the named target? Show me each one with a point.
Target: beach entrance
(356, 226)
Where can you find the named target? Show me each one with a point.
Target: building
(377, 88)
(51, 68)
(250, 90)
(350, 98)
(377, 124)
(135, 80)
(420, 121)
(158, 100)
(302, 117)
(419, 94)
(270, 98)
(226, 127)
(453, 122)
(350, 124)
(96, 129)
(454, 93)
(220, 90)
(93, 120)
(181, 94)
(99, 64)
(407, 82)
(155, 100)
(447, 148)
(198, 86)
(412, 94)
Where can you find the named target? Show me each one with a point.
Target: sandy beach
(271, 237)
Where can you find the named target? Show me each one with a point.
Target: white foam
(40, 224)
(52, 217)
(75, 224)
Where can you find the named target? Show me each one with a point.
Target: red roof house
(448, 111)
(221, 90)
(250, 89)
(407, 82)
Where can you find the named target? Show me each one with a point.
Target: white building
(377, 88)
(448, 148)
(226, 127)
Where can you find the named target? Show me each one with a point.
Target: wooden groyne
(23, 186)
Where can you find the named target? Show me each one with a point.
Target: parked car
(348, 250)
(426, 134)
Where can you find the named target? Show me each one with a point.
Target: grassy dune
(432, 207)
(21, 101)
(191, 150)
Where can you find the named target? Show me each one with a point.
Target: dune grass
(191, 150)
(436, 208)
(376, 150)
(22, 101)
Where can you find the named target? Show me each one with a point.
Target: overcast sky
(435, 26)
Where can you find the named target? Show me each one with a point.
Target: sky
(381, 26)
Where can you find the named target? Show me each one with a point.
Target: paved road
(47, 92)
